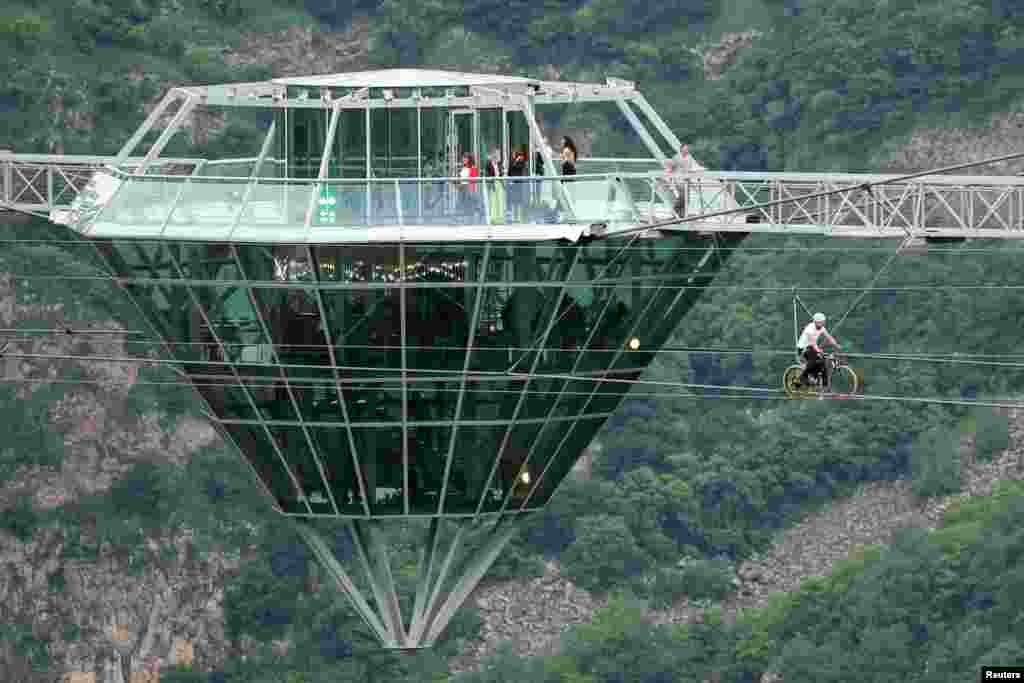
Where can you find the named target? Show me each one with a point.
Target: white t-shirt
(810, 335)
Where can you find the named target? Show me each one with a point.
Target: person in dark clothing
(517, 189)
(568, 156)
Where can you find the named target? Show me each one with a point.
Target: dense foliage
(931, 608)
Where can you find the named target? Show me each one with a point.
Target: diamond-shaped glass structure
(382, 337)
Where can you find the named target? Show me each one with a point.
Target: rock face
(717, 57)
(304, 51)
(104, 618)
(929, 148)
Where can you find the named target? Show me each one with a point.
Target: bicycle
(843, 380)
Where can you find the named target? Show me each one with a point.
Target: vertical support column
(369, 167)
(49, 188)
(404, 340)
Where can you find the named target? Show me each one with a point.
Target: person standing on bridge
(809, 350)
(684, 161)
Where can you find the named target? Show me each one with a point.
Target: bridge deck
(176, 200)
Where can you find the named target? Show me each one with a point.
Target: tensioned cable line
(931, 250)
(953, 357)
(635, 284)
(595, 376)
(992, 403)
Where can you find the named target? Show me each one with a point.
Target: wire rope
(765, 393)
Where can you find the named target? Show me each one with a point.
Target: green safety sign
(327, 206)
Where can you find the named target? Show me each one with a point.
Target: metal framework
(989, 207)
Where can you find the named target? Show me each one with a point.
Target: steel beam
(179, 116)
(153, 117)
(641, 102)
(639, 127)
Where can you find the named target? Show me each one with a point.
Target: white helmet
(819, 317)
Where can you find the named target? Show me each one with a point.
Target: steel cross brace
(435, 601)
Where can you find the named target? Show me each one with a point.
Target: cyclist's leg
(808, 358)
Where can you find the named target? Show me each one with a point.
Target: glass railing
(220, 207)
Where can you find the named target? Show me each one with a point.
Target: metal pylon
(441, 587)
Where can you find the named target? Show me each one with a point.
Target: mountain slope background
(132, 539)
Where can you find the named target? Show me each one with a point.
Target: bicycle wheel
(789, 379)
(843, 380)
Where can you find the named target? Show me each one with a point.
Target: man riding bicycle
(807, 346)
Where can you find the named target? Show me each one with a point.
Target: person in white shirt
(684, 161)
(808, 347)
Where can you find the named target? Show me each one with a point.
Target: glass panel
(170, 309)
(373, 401)
(232, 317)
(476, 447)
(510, 470)
(339, 468)
(318, 400)
(265, 263)
(380, 461)
(206, 261)
(258, 450)
(383, 203)
(148, 260)
(437, 328)
(567, 398)
(443, 263)
(141, 202)
(351, 142)
(272, 203)
(225, 397)
(610, 394)
(490, 399)
(363, 263)
(433, 143)
(293, 318)
(271, 398)
(393, 132)
(435, 401)
(366, 328)
(574, 446)
(295, 448)
(211, 204)
(428, 450)
(308, 132)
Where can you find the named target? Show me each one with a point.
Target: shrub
(21, 520)
(992, 433)
(935, 463)
(704, 579)
(603, 553)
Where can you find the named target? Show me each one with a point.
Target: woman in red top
(470, 203)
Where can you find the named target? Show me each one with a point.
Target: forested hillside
(681, 489)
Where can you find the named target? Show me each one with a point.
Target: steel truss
(989, 207)
(442, 585)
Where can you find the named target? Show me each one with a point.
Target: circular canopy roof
(404, 78)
